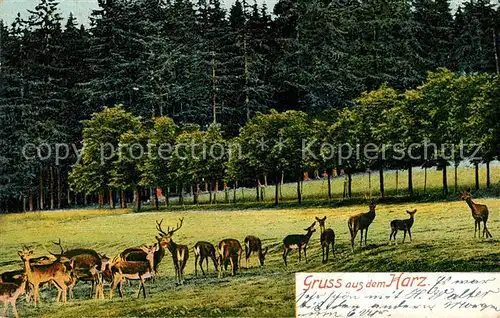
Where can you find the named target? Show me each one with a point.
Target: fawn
(132, 270)
(230, 250)
(402, 225)
(9, 292)
(361, 222)
(202, 252)
(38, 274)
(298, 241)
(479, 213)
(253, 244)
(327, 237)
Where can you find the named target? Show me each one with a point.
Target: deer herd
(66, 269)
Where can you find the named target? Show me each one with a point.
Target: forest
(341, 71)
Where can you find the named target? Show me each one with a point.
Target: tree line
(201, 65)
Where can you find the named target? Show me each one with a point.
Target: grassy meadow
(442, 241)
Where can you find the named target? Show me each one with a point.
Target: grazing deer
(83, 260)
(479, 213)
(403, 225)
(137, 254)
(9, 292)
(230, 250)
(132, 270)
(180, 253)
(204, 251)
(361, 222)
(254, 245)
(327, 237)
(298, 241)
(38, 274)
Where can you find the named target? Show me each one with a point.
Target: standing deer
(38, 274)
(132, 270)
(479, 213)
(327, 237)
(137, 254)
(9, 292)
(361, 222)
(254, 245)
(180, 253)
(230, 250)
(403, 225)
(204, 251)
(298, 241)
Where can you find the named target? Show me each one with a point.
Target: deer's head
(166, 236)
(150, 254)
(411, 212)
(321, 222)
(465, 195)
(26, 254)
(372, 206)
(311, 229)
(262, 256)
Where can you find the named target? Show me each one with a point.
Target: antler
(158, 227)
(177, 228)
(60, 245)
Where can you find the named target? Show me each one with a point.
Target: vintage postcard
(250, 158)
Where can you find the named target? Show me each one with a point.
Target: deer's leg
(206, 263)
(322, 252)
(366, 235)
(404, 236)
(201, 265)
(37, 293)
(327, 247)
(4, 310)
(232, 265)
(285, 254)
(409, 233)
(14, 309)
(300, 253)
(488, 234)
(361, 241)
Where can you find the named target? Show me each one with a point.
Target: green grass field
(442, 241)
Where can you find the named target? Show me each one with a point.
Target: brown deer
(361, 222)
(479, 213)
(254, 245)
(137, 254)
(38, 274)
(132, 270)
(83, 260)
(402, 225)
(9, 292)
(230, 251)
(99, 281)
(202, 252)
(327, 237)
(180, 253)
(298, 241)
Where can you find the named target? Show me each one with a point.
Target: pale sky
(80, 8)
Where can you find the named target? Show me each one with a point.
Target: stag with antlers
(361, 222)
(479, 213)
(327, 237)
(298, 241)
(180, 253)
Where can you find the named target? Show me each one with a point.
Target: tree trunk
(40, 191)
(281, 185)
(276, 192)
(24, 201)
(349, 185)
(68, 194)
(111, 200)
(181, 195)
(100, 199)
(410, 180)
(31, 201)
(488, 178)
(155, 195)
(167, 197)
(59, 189)
(265, 180)
(299, 194)
(381, 177)
(257, 189)
(425, 180)
(262, 193)
(456, 178)
(123, 203)
(195, 194)
(234, 191)
(445, 180)
(329, 176)
(226, 193)
(137, 199)
(397, 181)
(215, 191)
(84, 199)
(210, 193)
(476, 168)
(52, 188)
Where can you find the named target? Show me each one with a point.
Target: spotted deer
(180, 253)
(327, 238)
(230, 251)
(253, 244)
(402, 225)
(9, 292)
(361, 222)
(38, 274)
(202, 252)
(479, 213)
(298, 241)
(132, 270)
